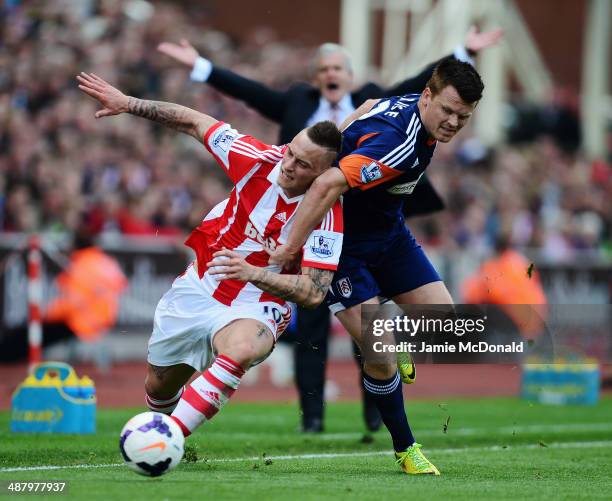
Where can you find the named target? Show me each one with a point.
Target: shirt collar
(345, 104)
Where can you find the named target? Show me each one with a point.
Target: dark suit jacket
(292, 109)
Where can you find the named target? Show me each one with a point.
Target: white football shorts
(187, 319)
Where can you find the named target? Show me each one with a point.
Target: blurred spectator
(87, 304)
(508, 279)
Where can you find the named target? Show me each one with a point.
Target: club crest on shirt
(322, 246)
(223, 140)
(344, 287)
(370, 173)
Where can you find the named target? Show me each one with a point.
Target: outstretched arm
(183, 52)
(171, 115)
(267, 101)
(307, 290)
(476, 40)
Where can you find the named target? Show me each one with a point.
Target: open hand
(476, 41)
(184, 52)
(113, 100)
(230, 265)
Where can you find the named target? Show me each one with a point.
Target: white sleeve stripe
(401, 146)
(272, 158)
(239, 145)
(402, 154)
(257, 156)
(407, 144)
(244, 153)
(270, 147)
(399, 160)
(406, 154)
(252, 149)
(249, 147)
(260, 156)
(329, 221)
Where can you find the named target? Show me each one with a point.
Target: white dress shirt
(336, 114)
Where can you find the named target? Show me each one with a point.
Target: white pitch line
(456, 450)
(518, 429)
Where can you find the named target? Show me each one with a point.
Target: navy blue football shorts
(379, 267)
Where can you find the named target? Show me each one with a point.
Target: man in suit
(329, 97)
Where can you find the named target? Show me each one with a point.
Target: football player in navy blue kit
(388, 143)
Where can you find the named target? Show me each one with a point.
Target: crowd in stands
(126, 175)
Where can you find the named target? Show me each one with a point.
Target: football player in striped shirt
(387, 146)
(224, 314)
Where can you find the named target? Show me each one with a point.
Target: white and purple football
(151, 444)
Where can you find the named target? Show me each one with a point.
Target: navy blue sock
(387, 393)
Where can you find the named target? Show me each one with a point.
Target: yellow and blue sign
(561, 382)
(53, 399)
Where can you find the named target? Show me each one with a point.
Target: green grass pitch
(492, 449)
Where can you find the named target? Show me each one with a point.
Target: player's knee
(380, 370)
(154, 388)
(246, 352)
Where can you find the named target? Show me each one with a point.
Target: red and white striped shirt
(257, 213)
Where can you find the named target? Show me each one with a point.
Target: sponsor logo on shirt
(251, 232)
(370, 173)
(223, 140)
(344, 287)
(403, 188)
(322, 246)
(282, 217)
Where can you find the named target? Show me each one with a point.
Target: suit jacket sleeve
(268, 102)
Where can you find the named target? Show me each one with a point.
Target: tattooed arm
(307, 290)
(171, 115)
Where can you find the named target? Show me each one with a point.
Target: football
(151, 444)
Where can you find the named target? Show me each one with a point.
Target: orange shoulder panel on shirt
(365, 137)
(364, 173)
